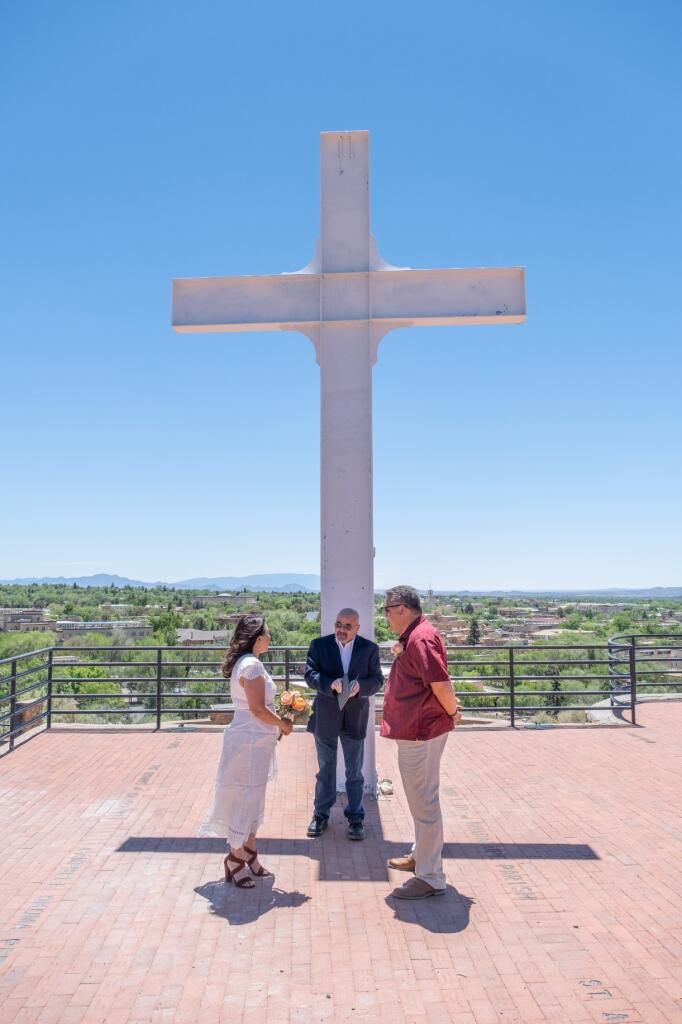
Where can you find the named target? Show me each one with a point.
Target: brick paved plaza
(563, 903)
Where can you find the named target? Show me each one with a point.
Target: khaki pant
(419, 764)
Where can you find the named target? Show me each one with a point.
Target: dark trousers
(325, 783)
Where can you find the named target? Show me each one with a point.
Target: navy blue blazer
(323, 666)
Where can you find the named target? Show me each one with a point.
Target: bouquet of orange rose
(293, 705)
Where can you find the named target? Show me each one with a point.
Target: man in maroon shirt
(420, 711)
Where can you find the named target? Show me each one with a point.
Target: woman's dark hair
(246, 632)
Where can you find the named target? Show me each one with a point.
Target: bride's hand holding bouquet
(292, 706)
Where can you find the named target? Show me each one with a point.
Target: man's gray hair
(349, 611)
(404, 595)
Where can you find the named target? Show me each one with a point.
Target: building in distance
(190, 637)
(131, 629)
(24, 620)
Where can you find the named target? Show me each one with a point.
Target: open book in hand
(346, 687)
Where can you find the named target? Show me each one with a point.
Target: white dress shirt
(346, 652)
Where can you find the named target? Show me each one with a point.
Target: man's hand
(337, 685)
(445, 697)
(354, 690)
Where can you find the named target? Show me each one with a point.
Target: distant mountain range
(291, 582)
(296, 582)
(648, 593)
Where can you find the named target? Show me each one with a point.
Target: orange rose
(286, 698)
(300, 704)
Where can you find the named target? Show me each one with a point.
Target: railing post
(286, 668)
(633, 680)
(49, 688)
(159, 674)
(512, 696)
(12, 703)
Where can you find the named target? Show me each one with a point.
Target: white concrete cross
(345, 301)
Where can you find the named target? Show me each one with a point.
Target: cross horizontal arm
(282, 302)
(389, 297)
(482, 295)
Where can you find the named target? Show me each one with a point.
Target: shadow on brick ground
(442, 914)
(241, 906)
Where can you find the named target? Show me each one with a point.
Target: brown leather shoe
(407, 863)
(416, 889)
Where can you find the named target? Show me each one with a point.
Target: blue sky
(146, 141)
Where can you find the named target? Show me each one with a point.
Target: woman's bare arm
(255, 695)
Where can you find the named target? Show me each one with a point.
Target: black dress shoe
(356, 830)
(317, 826)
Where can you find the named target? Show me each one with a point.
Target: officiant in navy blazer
(343, 653)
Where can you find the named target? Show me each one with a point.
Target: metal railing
(642, 664)
(121, 685)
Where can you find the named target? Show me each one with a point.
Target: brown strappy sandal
(230, 874)
(262, 872)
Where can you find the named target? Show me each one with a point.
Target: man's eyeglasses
(387, 607)
(344, 625)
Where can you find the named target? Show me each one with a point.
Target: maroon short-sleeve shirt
(411, 711)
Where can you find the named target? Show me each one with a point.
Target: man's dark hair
(404, 595)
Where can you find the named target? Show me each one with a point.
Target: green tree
(165, 627)
(474, 634)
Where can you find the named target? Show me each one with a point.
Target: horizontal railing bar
(528, 664)
(560, 693)
(659, 672)
(522, 708)
(173, 649)
(24, 689)
(571, 661)
(136, 679)
(123, 697)
(189, 711)
(105, 711)
(477, 663)
(195, 679)
(141, 696)
(207, 665)
(525, 647)
(484, 680)
(626, 637)
(26, 707)
(526, 678)
(500, 679)
(185, 711)
(24, 672)
(60, 680)
(64, 666)
(658, 686)
(523, 692)
(23, 727)
(27, 654)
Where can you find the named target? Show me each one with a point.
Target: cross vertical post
(344, 355)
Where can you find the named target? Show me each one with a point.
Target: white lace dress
(247, 762)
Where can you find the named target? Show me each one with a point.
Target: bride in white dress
(247, 762)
